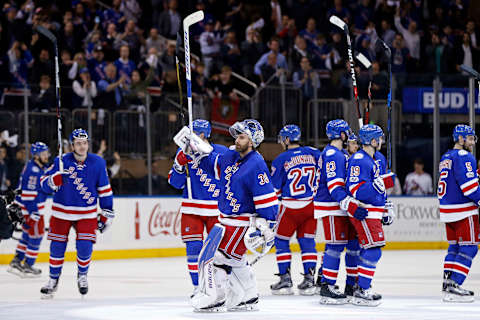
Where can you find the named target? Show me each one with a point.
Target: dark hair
(418, 161)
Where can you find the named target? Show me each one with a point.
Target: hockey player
(247, 201)
(459, 197)
(333, 206)
(352, 144)
(293, 177)
(199, 206)
(367, 189)
(32, 201)
(82, 184)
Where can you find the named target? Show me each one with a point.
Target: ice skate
(250, 305)
(16, 267)
(366, 297)
(307, 287)
(455, 293)
(349, 290)
(214, 308)
(329, 294)
(82, 284)
(283, 286)
(49, 289)
(31, 272)
(195, 291)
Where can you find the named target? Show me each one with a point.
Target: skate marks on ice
(271, 307)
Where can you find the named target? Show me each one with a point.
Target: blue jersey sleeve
(465, 171)
(30, 189)
(360, 181)
(105, 194)
(177, 179)
(43, 181)
(211, 164)
(278, 176)
(335, 167)
(264, 195)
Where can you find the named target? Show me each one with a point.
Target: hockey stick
(187, 22)
(474, 73)
(388, 55)
(342, 25)
(367, 64)
(44, 31)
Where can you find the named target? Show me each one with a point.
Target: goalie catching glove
(104, 219)
(260, 236)
(192, 145)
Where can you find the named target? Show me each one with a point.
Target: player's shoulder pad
(35, 168)
(220, 148)
(358, 156)
(330, 152)
(463, 152)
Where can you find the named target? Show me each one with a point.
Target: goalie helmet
(290, 131)
(38, 147)
(464, 131)
(202, 126)
(336, 127)
(251, 127)
(78, 134)
(369, 132)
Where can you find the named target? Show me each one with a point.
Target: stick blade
(192, 19)
(472, 72)
(47, 33)
(381, 45)
(338, 22)
(363, 60)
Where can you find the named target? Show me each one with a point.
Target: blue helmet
(38, 147)
(464, 131)
(353, 137)
(290, 131)
(251, 127)
(78, 134)
(336, 127)
(202, 126)
(369, 132)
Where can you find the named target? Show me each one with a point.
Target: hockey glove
(388, 180)
(353, 209)
(14, 213)
(57, 179)
(379, 186)
(104, 220)
(36, 225)
(180, 161)
(267, 228)
(389, 214)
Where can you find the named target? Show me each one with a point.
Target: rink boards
(146, 227)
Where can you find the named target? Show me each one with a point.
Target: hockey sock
(463, 262)
(284, 256)
(450, 259)
(57, 254)
(193, 250)
(351, 261)
(22, 246)
(84, 255)
(331, 262)
(309, 254)
(367, 264)
(32, 250)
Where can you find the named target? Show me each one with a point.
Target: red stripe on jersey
(454, 210)
(473, 185)
(105, 191)
(338, 183)
(55, 208)
(198, 205)
(271, 199)
(327, 207)
(354, 189)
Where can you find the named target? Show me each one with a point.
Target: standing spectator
(472, 32)
(44, 99)
(131, 10)
(222, 86)
(231, 52)
(210, 41)
(276, 15)
(310, 32)
(167, 59)
(96, 64)
(85, 90)
(42, 65)
(399, 55)
(303, 79)
(281, 62)
(252, 49)
(466, 54)
(411, 37)
(339, 10)
(169, 21)
(79, 63)
(124, 65)
(387, 34)
(435, 50)
(363, 14)
(114, 15)
(270, 69)
(379, 80)
(133, 38)
(69, 39)
(110, 92)
(135, 97)
(288, 33)
(155, 41)
(300, 51)
(418, 182)
(322, 53)
(20, 61)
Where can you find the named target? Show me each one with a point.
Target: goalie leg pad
(242, 294)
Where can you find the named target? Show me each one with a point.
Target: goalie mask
(251, 127)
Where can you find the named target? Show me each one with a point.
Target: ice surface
(410, 282)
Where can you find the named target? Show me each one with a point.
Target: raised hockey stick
(367, 64)
(388, 55)
(45, 32)
(187, 22)
(342, 25)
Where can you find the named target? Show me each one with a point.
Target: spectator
(322, 54)
(252, 49)
(410, 35)
(135, 97)
(69, 39)
(169, 21)
(399, 55)
(339, 11)
(96, 64)
(20, 61)
(231, 52)
(310, 32)
(152, 61)
(222, 85)
(114, 15)
(472, 32)
(300, 51)
(124, 65)
(281, 62)
(379, 80)
(79, 63)
(85, 90)
(435, 50)
(110, 91)
(387, 34)
(45, 98)
(42, 65)
(270, 69)
(167, 59)
(418, 182)
(15, 167)
(210, 41)
(131, 10)
(155, 41)
(288, 33)
(396, 190)
(4, 182)
(465, 54)
(304, 79)
(363, 15)
(113, 42)
(133, 38)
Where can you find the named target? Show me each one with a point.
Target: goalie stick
(342, 25)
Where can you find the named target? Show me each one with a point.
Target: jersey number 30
(295, 175)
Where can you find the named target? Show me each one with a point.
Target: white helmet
(251, 127)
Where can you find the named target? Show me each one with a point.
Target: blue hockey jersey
(361, 173)
(32, 198)
(85, 186)
(458, 190)
(245, 187)
(331, 184)
(293, 177)
(205, 189)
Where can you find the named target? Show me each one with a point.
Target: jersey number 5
(442, 184)
(296, 175)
